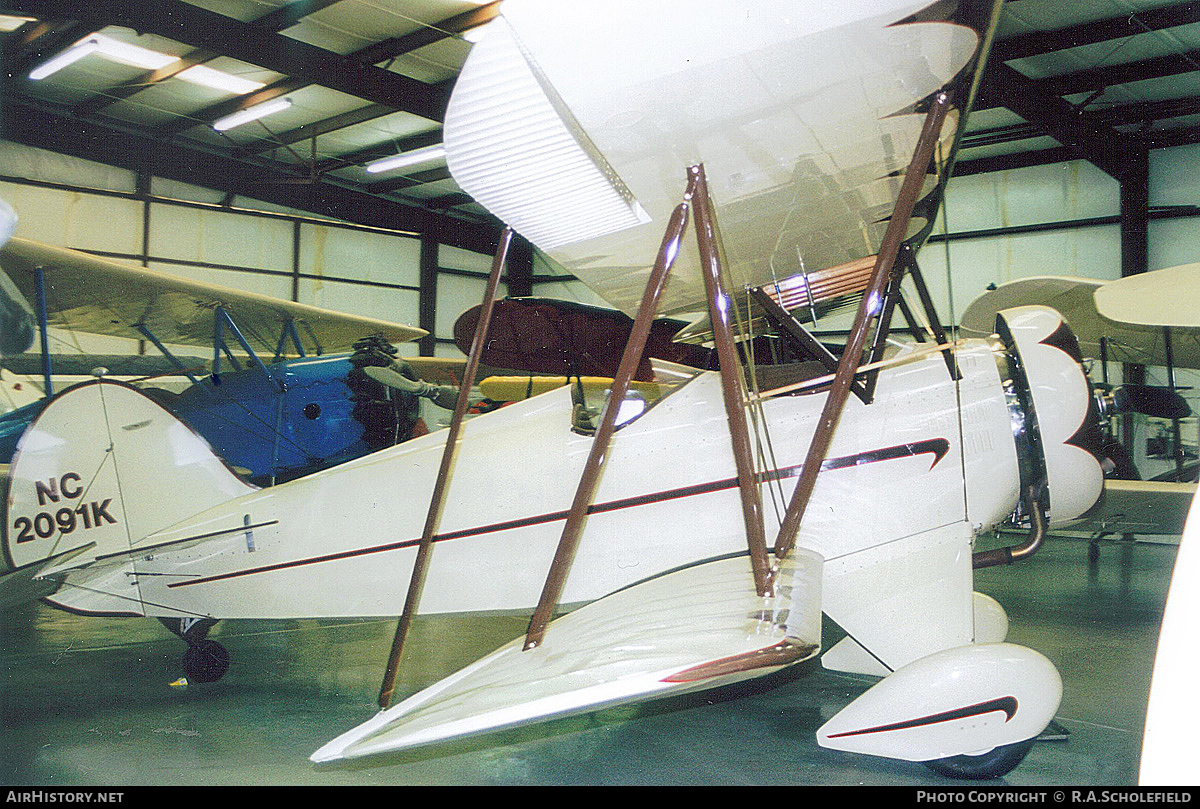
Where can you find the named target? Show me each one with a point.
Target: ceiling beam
(288, 15)
(38, 124)
(209, 30)
(427, 35)
(323, 127)
(33, 43)
(1146, 112)
(448, 201)
(1089, 33)
(380, 52)
(106, 98)
(1088, 138)
(982, 165)
(380, 150)
(1166, 138)
(1099, 78)
(213, 112)
(1124, 115)
(409, 180)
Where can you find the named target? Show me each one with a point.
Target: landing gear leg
(205, 660)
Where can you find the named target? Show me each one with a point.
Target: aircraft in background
(16, 392)
(304, 405)
(279, 418)
(1142, 320)
(817, 124)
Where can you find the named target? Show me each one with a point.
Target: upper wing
(798, 111)
(1131, 314)
(1154, 300)
(94, 295)
(1071, 297)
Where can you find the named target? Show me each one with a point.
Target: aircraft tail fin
(106, 465)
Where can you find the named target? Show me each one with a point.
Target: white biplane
(799, 136)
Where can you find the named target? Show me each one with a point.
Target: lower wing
(689, 630)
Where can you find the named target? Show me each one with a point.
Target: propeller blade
(443, 396)
(392, 379)
(1150, 400)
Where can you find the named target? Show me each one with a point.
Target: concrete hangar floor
(90, 702)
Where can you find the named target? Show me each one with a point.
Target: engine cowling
(1056, 422)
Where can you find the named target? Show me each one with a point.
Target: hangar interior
(1081, 158)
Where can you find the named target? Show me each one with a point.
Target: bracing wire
(742, 326)
(943, 165)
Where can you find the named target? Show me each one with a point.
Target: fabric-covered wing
(89, 294)
(1132, 325)
(1154, 300)
(692, 629)
(799, 111)
(1139, 507)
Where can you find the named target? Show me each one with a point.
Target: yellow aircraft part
(515, 388)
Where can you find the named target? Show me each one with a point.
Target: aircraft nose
(1064, 415)
(1147, 400)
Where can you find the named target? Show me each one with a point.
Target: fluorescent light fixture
(107, 47)
(405, 159)
(218, 80)
(130, 54)
(251, 113)
(68, 57)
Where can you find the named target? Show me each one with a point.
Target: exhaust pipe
(1013, 553)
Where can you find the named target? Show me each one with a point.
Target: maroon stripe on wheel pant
(1006, 704)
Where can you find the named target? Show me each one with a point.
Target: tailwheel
(205, 661)
(997, 762)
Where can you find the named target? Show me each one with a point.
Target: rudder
(103, 463)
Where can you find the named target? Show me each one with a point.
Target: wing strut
(289, 332)
(433, 518)
(152, 337)
(44, 330)
(719, 310)
(731, 385)
(869, 309)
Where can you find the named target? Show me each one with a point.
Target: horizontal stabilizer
(35, 581)
(689, 630)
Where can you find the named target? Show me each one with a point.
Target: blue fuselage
(304, 416)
